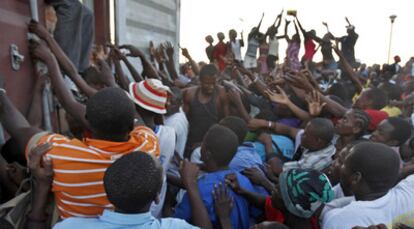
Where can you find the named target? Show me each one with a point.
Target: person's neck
(370, 196)
(138, 211)
(149, 121)
(345, 139)
(211, 168)
(111, 138)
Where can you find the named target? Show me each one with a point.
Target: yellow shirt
(392, 111)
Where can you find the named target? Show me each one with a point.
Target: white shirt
(179, 123)
(397, 206)
(166, 139)
(236, 49)
(274, 46)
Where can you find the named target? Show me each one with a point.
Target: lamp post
(392, 18)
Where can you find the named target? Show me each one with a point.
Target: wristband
(270, 124)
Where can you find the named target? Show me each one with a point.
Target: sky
(370, 17)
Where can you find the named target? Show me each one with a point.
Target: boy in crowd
(79, 165)
(218, 149)
(370, 173)
(372, 100)
(131, 189)
(313, 145)
(204, 106)
(298, 196)
(393, 132)
(150, 97)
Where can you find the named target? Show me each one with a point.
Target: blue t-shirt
(242, 210)
(113, 220)
(284, 143)
(245, 157)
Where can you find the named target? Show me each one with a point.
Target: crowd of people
(240, 142)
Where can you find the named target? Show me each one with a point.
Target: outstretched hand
(278, 97)
(233, 182)
(40, 166)
(315, 106)
(133, 51)
(38, 29)
(169, 48)
(223, 201)
(255, 176)
(185, 53)
(40, 51)
(189, 173)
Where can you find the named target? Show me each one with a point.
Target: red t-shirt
(309, 49)
(273, 214)
(220, 50)
(376, 117)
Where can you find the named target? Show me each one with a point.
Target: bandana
(304, 191)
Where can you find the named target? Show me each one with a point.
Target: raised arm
(117, 56)
(278, 20)
(349, 70)
(282, 98)
(35, 112)
(286, 30)
(63, 93)
(61, 57)
(300, 26)
(296, 27)
(199, 215)
(14, 122)
(42, 173)
(235, 98)
(194, 64)
(260, 22)
(257, 200)
(149, 69)
(278, 128)
(170, 62)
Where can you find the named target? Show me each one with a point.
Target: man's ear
(157, 198)
(356, 179)
(356, 129)
(393, 142)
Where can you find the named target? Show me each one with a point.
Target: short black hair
(363, 120)
(237, 125)
(222, 144)
(393, 91)
(323, 128)
(339, 90)
(402, 129)
(110, 111)
(378, 164)
(208, 70)
(133, 181)
(378, 98)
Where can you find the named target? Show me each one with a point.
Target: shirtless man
(204, 106)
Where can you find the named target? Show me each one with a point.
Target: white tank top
(236, 49)
(273, 46)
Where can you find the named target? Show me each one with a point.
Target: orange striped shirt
(79, 167)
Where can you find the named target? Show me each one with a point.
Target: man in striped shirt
(79, 166)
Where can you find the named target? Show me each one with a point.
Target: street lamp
(392, 18)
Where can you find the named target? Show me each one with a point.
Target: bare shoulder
(189, 93)
(221, 91)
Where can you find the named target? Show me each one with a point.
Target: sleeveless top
(252, 47)
(201, 117)
(293, 55)
(235, 48)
